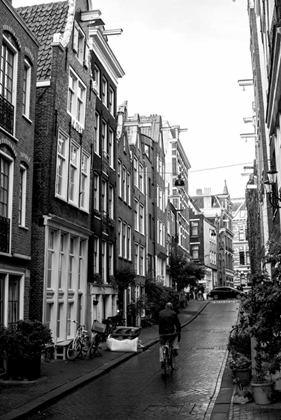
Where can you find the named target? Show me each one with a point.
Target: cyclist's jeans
(163, 340)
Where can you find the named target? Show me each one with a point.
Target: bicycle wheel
(165, 360)
(85, 344)
(94, 346)
(74, 349)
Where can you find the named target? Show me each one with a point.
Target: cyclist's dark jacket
(168, 321)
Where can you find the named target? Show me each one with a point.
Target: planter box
(21, 369)
(243, 376)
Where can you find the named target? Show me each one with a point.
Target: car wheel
(216, 297)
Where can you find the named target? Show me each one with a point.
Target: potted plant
(241, 367)
(21, 347)
(265, 327)
(239, 347)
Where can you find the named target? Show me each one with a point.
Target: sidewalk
(59, 377)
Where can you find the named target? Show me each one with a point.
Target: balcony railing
(4, 234)
(6, 115)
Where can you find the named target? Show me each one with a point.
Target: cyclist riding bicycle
(169, 326)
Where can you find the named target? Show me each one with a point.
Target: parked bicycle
(168, 363)
(80, 345)
(99, 333)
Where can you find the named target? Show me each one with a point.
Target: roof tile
(45, 20)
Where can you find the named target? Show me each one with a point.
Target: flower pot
(262, 393)
(243, 376)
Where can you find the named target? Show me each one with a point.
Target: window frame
(27, 90)
(76, 103)
(22, 196)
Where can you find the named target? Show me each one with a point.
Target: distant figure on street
(169, 327)
(201, 291)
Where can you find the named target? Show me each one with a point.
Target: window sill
(23, 227)
(27, 119)
(8, 134)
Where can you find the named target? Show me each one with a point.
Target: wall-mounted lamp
(213, 233)
(270, 185)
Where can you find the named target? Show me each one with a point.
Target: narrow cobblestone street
(139, 389)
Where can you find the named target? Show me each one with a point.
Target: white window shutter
(75, 40)
(86, 59)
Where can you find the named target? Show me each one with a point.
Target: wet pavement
(201, 387)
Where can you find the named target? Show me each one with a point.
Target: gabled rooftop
(45, 20)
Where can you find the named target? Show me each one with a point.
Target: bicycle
(81, 344)
(99, 331)
(168, 363)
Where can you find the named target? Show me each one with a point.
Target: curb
(41, 402)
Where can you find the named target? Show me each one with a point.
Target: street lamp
(270, 187)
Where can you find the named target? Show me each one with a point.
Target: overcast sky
(183, 59)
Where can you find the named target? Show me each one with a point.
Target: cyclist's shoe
(175, 352)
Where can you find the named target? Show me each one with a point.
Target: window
(26, 89)
(97, 134)
(120, 237)
(97, 79)
(119, 179)
(141, 253)
(241, 235)
(74, 173)
(13, 300)
(111, 101)
(73, 170)
(103, 261)
(104, 91)
(136, 260)
(62, 166)
(85, 182)
(82, 251)
(110, 258)
(50, 261)
(111, 148)
(129, 188)
(96, 255)
(104, 196)
(79, 42)
(76, 105)
(8, 81)
(194, 229)
(135, 172)
(111, 202)
(141, 222)
(22, 196)
(241, 258)
(124, 189)
(136, 215)
(141, 179)
(96, 192)
(71, 262)
(129, 250)
(124, 240)
(195, 252)
(6, 197)
(61, 259)
(104, 139)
